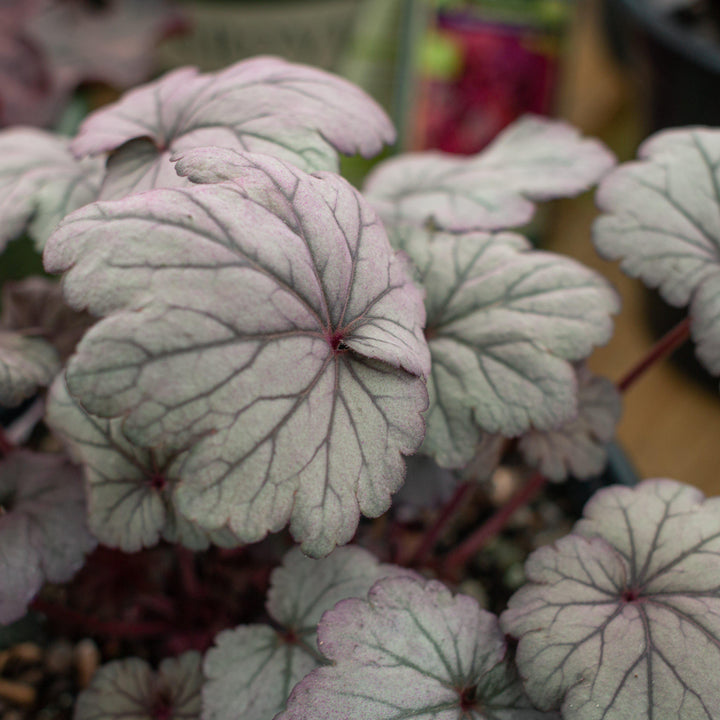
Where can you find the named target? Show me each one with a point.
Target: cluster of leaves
(261, 344)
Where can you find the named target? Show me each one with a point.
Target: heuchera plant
(250, 343)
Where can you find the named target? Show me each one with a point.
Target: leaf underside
(266, 323)
(621, 618)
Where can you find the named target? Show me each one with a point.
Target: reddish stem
(94, 626)
(672, 340)
(6, 446)
(434, 533)
(489, 529)
(188, 577)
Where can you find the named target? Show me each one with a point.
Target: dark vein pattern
(504, 324)
(41, 182)
(621, 619)
(534, 159)
(252, 669)
(268, 322)
(662, 220)
(130, 489)
(43, 529)
(265, 105)
(132, 690)
(411, 651)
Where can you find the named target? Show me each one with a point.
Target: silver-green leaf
(26, 363)
(504, 325)
(662, 220)
(131, 489)
(252, 669)
(534, 159)
(41, 182)
(268, 317)
(411, 651)
(621, 618)
(578, 447)
(131, 690)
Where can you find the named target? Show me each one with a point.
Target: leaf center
(468, 699)
(162, 708)
(157, 481)
(631, 595)
(335, 340)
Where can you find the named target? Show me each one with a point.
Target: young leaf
(131, 690)
(252, 669)
(43, 535)
(265, 105)
(26, 363)
(270, 314)
(663, 221)
(504, 324)
(621, 618)
(578, 447)
(411, 651)
(41, 182)
(131, 490)
(534, 159)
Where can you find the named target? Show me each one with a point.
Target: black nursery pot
(674, 59)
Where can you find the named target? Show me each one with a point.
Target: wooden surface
(671, 424)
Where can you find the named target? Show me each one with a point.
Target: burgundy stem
(188, 576)
(435, 532)
(6, 446)
(94, 626)
(672, 340)
(489, 529)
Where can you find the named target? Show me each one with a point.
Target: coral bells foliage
(250, 343)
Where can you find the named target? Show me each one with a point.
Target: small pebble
(27, 652)
(87, 661)
(16, 692)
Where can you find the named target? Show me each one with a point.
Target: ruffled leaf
(131, 490)
(579, 446)
(663, 222)
(131, 690)
(252, 669)
(41, 182)
(270, 315)
(504, 325)
(43, 532)
(412, 650)
(296, 113)
(534, 159)
(26, 363)
(621, 618)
